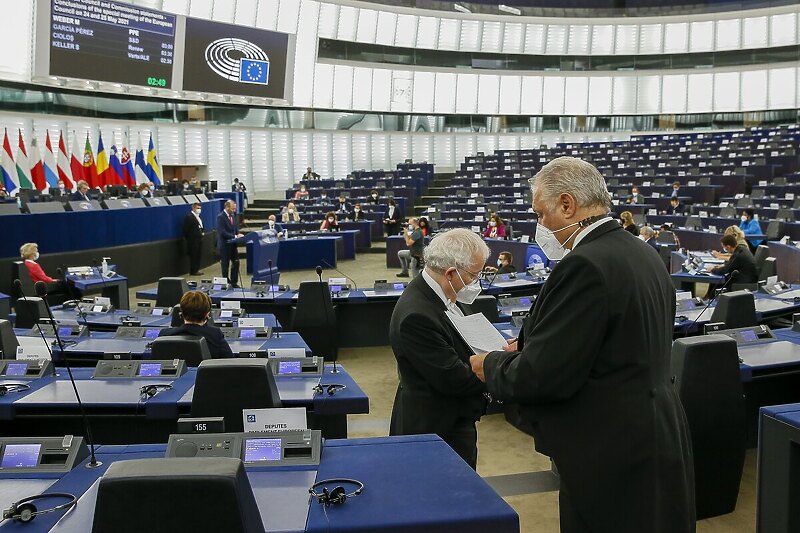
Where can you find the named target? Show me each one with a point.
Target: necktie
(231, 219)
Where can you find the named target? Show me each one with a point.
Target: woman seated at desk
(290, 213)
(330, 223)
(30, 254)
(737, 232)
(628, 224)
(196, 310)
(374, 197)
(495, 229)
(301, 193)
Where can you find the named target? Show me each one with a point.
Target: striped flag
(64, 167)
(7, 167)
(103, 177)
(23, 168)
(140, 164)
(76, 160)
(114, 167)
(152, 164)
(36, 166)
(89, 166)
(49, 160)
(128, 173)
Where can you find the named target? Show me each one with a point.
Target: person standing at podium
(590, 370)
(227, 229)
(193, 233)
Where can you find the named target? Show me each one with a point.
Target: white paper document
(478, 332)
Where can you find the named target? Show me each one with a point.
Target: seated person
(81, 193)
(343, 208)
(741, 259)
(358, 213)
(290, 213)
(309, 175)
(330, 223)
(737, 232)
(665, 235)
(626, 219)
(274, 225)
(676, 189)
(424, 227)
(196, 310)
(30, 254)
(648, 235)
(495, 228)
(374, 197)
(323, 199)
(301, 193)
(635, 197)
(186, 187)
(504, 264)
(143, 191)
(750, 226)
(675, 207)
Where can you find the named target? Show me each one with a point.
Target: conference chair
(184, 493)
(693, 223)
(707, 379)
(775, 230)
(768, 268)
(727, 212)
(8, 340)
(193, 350)
(757, 194)
(224, 387)
(314, 318)
(485, 304)
(736, 309)
(785, 215)
(665, 237)
(779, 181)
(762, 252)
(170, 291)
(744, 202)
(29, 311)
(20, 272)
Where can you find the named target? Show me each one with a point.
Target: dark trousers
(463, 438)
(229, 260)
(194, 248)
(570, 519)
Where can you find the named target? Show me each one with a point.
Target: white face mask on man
(468, 293)
(550, 245)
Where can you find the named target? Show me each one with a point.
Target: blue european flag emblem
(254, 71)
(251, 418)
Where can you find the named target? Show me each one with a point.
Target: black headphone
(24, 511)
(331, 388)
(338, 495)
(13, 387)
(148, 391)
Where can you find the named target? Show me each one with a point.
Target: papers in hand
(477, 332)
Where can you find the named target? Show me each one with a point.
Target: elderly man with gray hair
(591, 368)
(648, 235)
(438, 393)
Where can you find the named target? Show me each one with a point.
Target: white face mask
(492, 223)
(197, 211)
(357, 210)
(643, 238)
(548, 242)
(744, 218)
(331, 220)
(499, 262)
(375, 196)
(410, 227)
(468, 293)
(291, 211)
(36, 256)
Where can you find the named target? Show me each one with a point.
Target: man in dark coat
(193, 233)
(227, 229)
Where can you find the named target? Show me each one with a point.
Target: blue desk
(105, 321)
(119, 415)
(349, 239)
(238, 197)
(455, 499)
(115, 288)
(779, 437)
(299, 253)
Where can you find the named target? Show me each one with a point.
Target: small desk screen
(289, 367)
(524, 301)
(16, 369)
(247, 333)
(151, 333)
(398, 286)
(256, 450)
(64, 331)
(158, 311)
(216, 287)
(20, 456)
(150, 369)
(336, 288)
(749, 336)
(226, 313)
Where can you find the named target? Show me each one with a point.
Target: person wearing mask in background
(424, 227)
(750, 226)
(676, 189)
(290, 213)
(196, 310)
(193, 233)
(81, 193)
(374, 197)
(227, 229)
(505, 264)
(635, 197)
(3, 193)
(143, 191)
(739, 258)
(358, 213)
(343, 208)
(737, 232)
(411, 258)
(29, 252)
(60, 189)
(437, 392)
(648, 235)
(392, 218)
(309, 175)
(626, 219)
(676, 208)
(301, 193)
(238, 186)
(323, 198)
(274, 225)
(495, 228)
(186, 188)
(331, 223)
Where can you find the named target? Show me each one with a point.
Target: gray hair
(455, 248)
(648, 231)
(573, 176)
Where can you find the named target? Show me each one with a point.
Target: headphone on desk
(148, 391)
(338, 495)
(24, 511)
(331, 388)
(13, 387)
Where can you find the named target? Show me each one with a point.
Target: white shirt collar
(590, 228)
(451, 306)
(199, 220)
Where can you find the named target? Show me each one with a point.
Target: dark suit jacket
(78, 197)
(652, 242)
(191, 228)
(394, 229)
(677, 210)
(437, 386)
(217, 344)
(225, 230)
(742, 260)
(593, 381)
(506, 269)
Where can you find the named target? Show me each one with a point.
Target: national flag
(36, 166)
(128, 173)
(89, 166)
(76, 160)
(152, 164)
(23, 168)
(64, 167)
(114, 168)
(8, 167)
(103, 177)
(49, 160)
(142, 175)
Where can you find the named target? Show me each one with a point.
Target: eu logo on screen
(254, 71)
(251, 418)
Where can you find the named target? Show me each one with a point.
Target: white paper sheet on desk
(478, 332)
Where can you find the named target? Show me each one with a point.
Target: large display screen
(229, 59)
(110, 41)
(20, 456)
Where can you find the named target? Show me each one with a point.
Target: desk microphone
(78, 307)
(318, 270)
(272, 290)
(355, 285)
(41, 291)
(733, 274)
